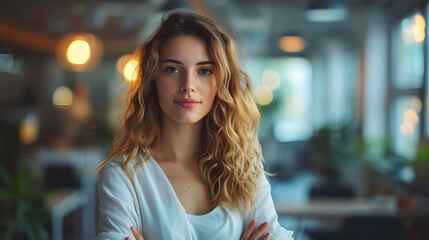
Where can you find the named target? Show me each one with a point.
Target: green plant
(22, 209)
(370, 152)
(340, 149)
(330, 146)
(421, 166)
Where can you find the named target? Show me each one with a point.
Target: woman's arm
(263, 211)
(118, 204)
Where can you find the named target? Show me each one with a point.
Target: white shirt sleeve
(119, 209)
(263, 211)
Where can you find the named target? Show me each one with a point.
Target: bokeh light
(411, 116)
(407, 128)
(270, 79)
(130, 69)
(419, 28)
(62, 96)
(29, 129)
(419, 33)
(78, 52)
(416, 104)
(420, 20)
(263, 95)
(122, 61)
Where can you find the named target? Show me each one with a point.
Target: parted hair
(231, 163)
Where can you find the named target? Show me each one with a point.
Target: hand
(252, 234)
(137, 234)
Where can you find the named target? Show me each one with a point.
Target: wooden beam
(24, 37)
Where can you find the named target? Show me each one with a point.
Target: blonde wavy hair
(231, 164)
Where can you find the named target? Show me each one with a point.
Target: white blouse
(154, 208)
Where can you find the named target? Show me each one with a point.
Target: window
(405, 125)
(283, 92)
(408, 71)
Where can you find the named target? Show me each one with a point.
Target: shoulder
(264, 181)
(114, 183)
(112, 173)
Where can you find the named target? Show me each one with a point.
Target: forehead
(185, 48)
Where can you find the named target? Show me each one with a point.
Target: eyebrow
(179, 62)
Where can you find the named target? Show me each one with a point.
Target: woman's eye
(172, 70)
(206, 71)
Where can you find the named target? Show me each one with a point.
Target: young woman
(188, 163)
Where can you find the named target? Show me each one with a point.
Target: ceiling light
(326, 11)
(292, 43)
(79, 52)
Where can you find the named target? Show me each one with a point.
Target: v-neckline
(171, 189)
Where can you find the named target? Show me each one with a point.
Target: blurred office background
(342, 87)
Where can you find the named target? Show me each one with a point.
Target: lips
(187, 102)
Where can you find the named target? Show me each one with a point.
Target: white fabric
(155, 209)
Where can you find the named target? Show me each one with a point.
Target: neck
(178, 142)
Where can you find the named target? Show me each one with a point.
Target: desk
(333, 209)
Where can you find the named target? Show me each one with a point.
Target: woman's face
(186, 83)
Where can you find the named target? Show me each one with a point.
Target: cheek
(164, 88)
(211, 91)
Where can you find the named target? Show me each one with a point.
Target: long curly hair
(231, 164)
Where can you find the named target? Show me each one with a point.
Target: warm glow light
(29, 129)
(130, 68)
(292, 44)
(419, 28)
(263, 95)
(420, 20)
(270, 79)
(411, 116)
(419, 33)
(120, 64)
(407, 128)
(63, 96)
(416, 104)
(78, 52)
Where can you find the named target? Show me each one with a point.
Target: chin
(185, 118)
(188, 121)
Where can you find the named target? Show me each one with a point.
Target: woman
(188, 164)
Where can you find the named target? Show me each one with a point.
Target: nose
(188, 83)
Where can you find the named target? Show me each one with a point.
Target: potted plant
(331, 153)
(22, 208)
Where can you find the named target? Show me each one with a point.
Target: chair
(328, 190)
(373, 227)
